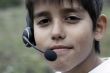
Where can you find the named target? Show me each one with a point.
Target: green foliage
(9, 3)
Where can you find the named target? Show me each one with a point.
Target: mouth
(61, 49)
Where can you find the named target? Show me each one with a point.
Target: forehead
(58, 3)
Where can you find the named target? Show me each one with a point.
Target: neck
(88, 64)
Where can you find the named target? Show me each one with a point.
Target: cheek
(40, 37)
(83, 41)
(83, 35)
(82, 38)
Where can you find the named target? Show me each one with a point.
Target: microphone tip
(50, 55)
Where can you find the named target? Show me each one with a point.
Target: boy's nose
(58, 32)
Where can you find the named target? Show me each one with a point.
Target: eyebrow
(62, 11)
(40, 14)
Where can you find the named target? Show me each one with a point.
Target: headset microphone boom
(48, 54)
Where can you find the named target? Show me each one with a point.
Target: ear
(100, 27)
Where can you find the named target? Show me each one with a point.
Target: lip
(61, 49)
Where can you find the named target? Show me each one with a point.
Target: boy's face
(66, 29)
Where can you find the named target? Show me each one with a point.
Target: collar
(102, 68)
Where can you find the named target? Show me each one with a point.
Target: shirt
(102, 68)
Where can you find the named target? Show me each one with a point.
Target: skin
(63, 25)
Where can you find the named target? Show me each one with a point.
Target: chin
(63, 68)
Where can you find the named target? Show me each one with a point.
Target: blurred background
(14, 56)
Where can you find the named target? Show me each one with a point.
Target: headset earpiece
(28, 32)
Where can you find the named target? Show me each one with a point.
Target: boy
(70, 28)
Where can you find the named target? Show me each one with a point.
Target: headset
(29, 32)
(29, 41)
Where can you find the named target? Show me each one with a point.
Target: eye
(43, 22)
(72, 19)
